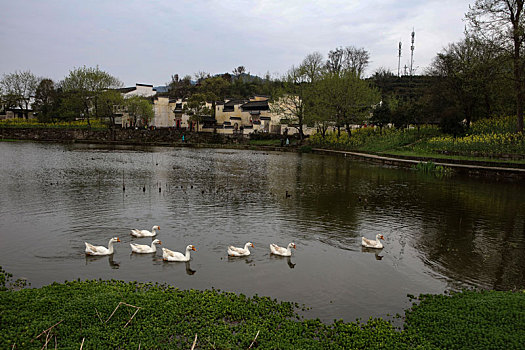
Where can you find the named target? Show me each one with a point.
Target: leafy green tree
(84, 86)
(19, 88)
(46, 101)
(140, 110)
(468, 73)
(348, 98)
(181, 88)
(502, 22)
(196, 108)
(381, 115)
(107, 102)
(214, 89)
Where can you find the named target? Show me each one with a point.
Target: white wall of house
(142, 90)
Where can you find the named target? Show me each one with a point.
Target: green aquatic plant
(432, 168)
(115, 314)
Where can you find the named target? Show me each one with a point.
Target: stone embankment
(483, 168)
(164, 136)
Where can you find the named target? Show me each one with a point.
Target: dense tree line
(87, 93)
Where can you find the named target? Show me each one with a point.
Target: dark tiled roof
(256, 105)
(127, 89)
(146, 85)
(234, 102)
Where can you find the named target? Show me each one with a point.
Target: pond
(440, 233)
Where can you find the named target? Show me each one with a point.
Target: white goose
(235, 251)
(275, 249)
(145, 233)
(101, 250)
(369, 243)
(169, 255)
(143, 249)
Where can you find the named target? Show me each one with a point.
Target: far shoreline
(165, 138)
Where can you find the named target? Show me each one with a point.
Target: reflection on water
(439, 233)
(93, 258)
(374, 251)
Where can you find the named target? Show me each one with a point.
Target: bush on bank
(169, 318)
(486, 137)
(33, 123)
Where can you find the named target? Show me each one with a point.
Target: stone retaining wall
(131, 136)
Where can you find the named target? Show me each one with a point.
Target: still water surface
(441, 234)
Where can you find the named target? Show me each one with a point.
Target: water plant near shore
(115, 314)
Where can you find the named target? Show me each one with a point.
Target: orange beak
(253, 246)
(383, 238)
(158, 228)
(118, 240)
(160, 242)
(294, 247)
(193, 248)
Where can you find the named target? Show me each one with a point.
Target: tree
(383, 79)
(107, 102)
(290, 100)
(348, 59)
(239, 71)
(19, 88)
(196, 108)
(46, 101)
(348, 98)
(84, 86)
(467, 73)
(214, 89)
(313, 67)
(381, 115)
(503, 23)
(140, 110)
(180, 88)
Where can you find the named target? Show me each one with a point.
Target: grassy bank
(113, 314)
(490, 139)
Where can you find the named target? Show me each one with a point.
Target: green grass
(489, 140)
(270, 142)
(169, 318)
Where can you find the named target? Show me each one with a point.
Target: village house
(246, 116)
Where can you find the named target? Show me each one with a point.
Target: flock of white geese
(170, 255)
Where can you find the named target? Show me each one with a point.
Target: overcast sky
(147, 41)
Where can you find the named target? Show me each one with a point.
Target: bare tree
(238, 71)
(503, 23)
(313, 66)
(356, 60)
(20, 87)
(347, 59)
(291, 100)
(334, 64)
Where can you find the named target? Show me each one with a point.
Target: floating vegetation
(115, 314)
(432, 168)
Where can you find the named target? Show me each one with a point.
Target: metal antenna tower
(412, 53)
(399, 59)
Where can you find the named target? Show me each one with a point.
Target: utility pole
(412, 53)
(399, 60)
